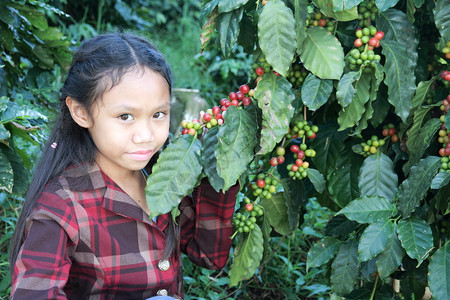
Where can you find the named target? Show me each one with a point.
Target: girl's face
(131, 122)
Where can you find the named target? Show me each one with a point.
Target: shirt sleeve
(206, 228)
(42, 267)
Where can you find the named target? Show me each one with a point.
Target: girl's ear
(79, 113)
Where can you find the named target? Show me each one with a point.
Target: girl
(84, 231)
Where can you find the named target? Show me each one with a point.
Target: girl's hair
(98, 65)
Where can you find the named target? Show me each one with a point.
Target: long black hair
(97, 66)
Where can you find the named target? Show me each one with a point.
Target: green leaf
(316, 91)
(209, 159)
(369, 209)
(440, 180)
(276, 32)
(339, 226)
(21, 174)
(276, 210)
(34, 17)
(317, 179)
(248, 256)
(236, 143)
(328, 145)
(345, 268)
(322, 252)
(385, 4)
(342, 5)
(275, 97)
(327, 7)
(7, 175)
(391, 258)
(422, 90)
(4, 133)
(377, 177)
(229, 5)
(420, 137)
(352, 113)
(343, 181)
(400, 87)
(381, 108)
(322, 54)
(228, 30)
(442, 18)
(416, 238)
(413, 190)
(345, 90)
(375, 238)
(439, 273)
(300, 16)
(447, 121)
(174, 175)
(295, 195)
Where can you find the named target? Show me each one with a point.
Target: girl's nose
(143, 134)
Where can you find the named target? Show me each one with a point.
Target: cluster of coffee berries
(445, 164)
(363, 54)
(259, 68)
(194, 127)
(241, 97)
(444, 132)
(303, 128)
(446, 50)
(367, 11)
(296, 75)
(371, 146)
(264, 186)
(297, 170)
(245, 220)
(446, 76)
(389, 130)
(316, 19)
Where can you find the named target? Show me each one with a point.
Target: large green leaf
(328, 145)
(316, 91)
(276, 32)
(416, 238)
(276, 210)
(228, 30)
(442, 18)
(352, 113)
(345, 268)
(248, 256)
(236, 143)
(343, 180)
(300, 16)
(396, 27)
(385, 4)
(439, 273)
(377, 177)
(339, 226)
(322, 54)
(174, 175)
(275, 97)
(345, 90)
(420, 137)
(401, 88)
(322, 252)
(34, 17)
(21, 174)
(368, 209)
(316, 179)
(209, 159)
(375, 238)
(7, 177)
(295, 195)
(229, 5)
(413, 190)
(327, 7)
(390, 259)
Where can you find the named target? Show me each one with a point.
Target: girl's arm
(42, 267)
(206, 227)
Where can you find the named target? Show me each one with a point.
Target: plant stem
(374, 288)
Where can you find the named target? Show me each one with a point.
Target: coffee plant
(348, 103)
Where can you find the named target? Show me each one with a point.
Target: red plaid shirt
(88, 239)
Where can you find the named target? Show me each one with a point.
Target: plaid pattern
(87, 239)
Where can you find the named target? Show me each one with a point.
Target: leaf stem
(374, 288)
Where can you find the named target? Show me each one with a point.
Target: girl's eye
(126, 117)
(159, 115)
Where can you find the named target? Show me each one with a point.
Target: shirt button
(162, 292)
(164, 265)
